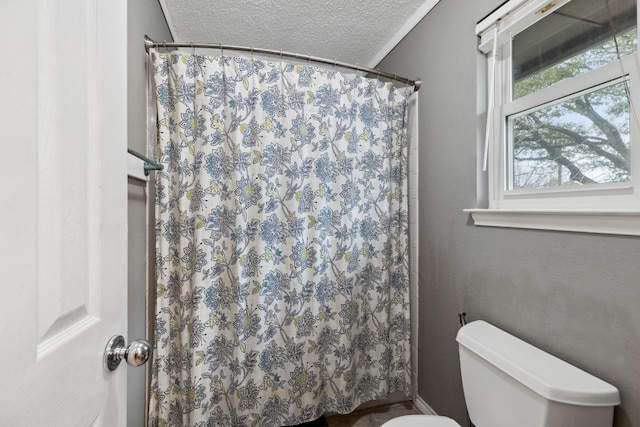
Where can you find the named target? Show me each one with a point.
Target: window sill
(621, 222)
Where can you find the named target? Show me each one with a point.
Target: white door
(63, 211)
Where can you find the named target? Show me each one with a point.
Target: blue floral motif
(275, 411)
(172, 230)
(305, 324)
(281, 242)
(328, 339)
(303, 131)
(193, 394)
(220, 222)
(306, 199)
(247, 323)
(250, 263)
(273, 285)
(369, 229)
(305, 76)
(186, 93)
(196, 200)
(166, 96)
(218, 296)
(328, 99)
(303, 256)
(326, 220)
(248, 396)
(273, 231)
(353, 143)
(350, 193)
(248, 192)
(249, 66)
(399, 280)
(296, 101)
(366, 340)
(273, 102)
(325, 291)
(369, 114)
(218, 164)
(241, 161)
(218, 352)
(371, 164)
(273, 358)
(191, 124)
(193, 258)
(349, 312)
(276, 158)
(250, 134)
(173, 289)
(302, 380)
(326, 169)
(161, 69)
(397, 174)
(367, 382)
(217, 87)
(193, 65)
(370, 274)
(354, 260)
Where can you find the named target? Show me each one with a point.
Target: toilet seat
(421, 421)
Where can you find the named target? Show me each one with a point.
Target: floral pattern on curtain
(282, 242)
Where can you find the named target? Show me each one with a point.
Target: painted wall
(574, 295)
(145, 18)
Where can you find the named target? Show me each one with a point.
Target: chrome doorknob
(137, 353)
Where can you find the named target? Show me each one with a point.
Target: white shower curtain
(282, 242)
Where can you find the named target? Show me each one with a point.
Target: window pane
(574, 39)
(583, 140)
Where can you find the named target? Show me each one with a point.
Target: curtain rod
(149, 44)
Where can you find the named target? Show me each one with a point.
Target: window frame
(604, 208)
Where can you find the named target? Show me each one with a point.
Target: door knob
(137, 353)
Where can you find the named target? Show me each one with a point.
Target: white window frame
(605, 208)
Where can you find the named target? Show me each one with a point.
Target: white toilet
(508, 382)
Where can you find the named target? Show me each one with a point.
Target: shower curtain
(282, 242)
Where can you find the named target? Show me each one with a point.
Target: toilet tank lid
(550, 377)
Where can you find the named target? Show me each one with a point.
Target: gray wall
(574, 295)
(144, 18)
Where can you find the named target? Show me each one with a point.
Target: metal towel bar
(149, 165)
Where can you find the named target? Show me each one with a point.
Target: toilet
(508, 382)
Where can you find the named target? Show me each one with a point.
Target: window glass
(570, 41)
(581, 140)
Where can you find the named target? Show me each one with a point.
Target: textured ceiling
(355, 31)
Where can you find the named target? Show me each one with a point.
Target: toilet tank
(508, 382)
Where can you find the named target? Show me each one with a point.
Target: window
(563, 132)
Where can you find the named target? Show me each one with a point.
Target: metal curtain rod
(149, 165)
(149, 44)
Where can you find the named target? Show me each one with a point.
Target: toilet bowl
(421, 421)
